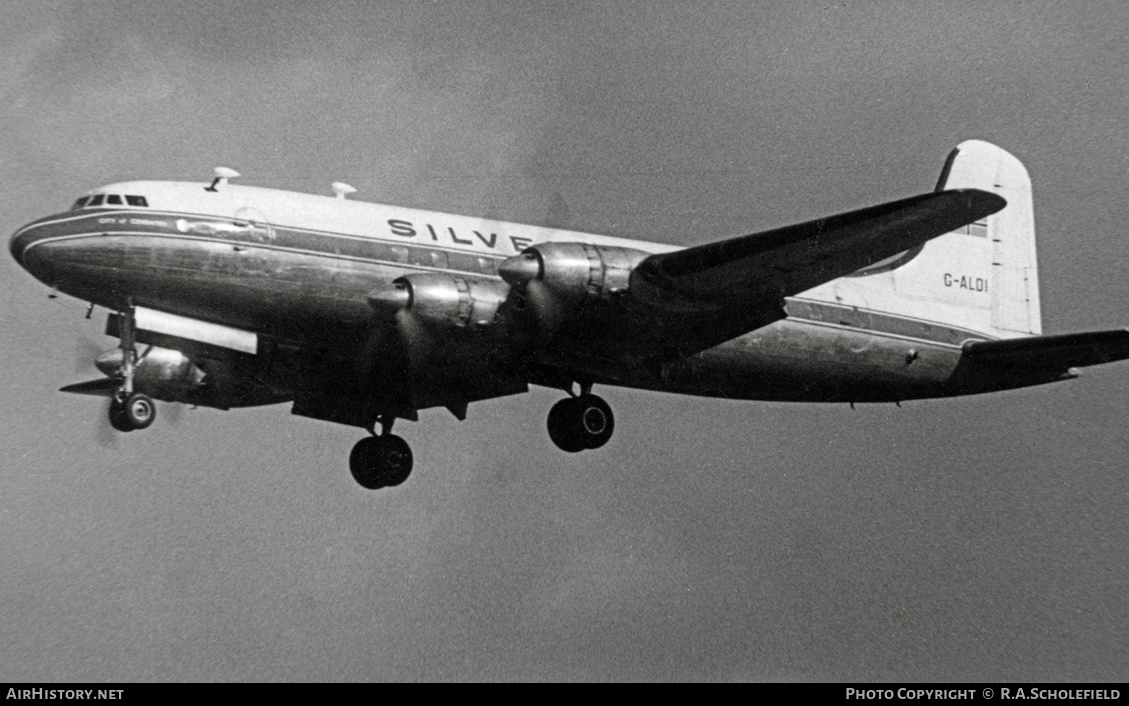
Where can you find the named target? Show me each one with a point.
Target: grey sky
(980, 538)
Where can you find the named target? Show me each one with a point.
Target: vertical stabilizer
(1015, 274)
(981, 278)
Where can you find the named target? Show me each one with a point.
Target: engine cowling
(157, 366)
(560, 279)
(165, 373)
(442, 299)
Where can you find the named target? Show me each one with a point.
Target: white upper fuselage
(357, 218)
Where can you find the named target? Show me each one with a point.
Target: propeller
(173, 412)
(86, 351)
(104, 434)
(525, 272)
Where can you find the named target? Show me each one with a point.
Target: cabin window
(96, 200)
(80, 203)
(419, 256)
(399, 254)
(461, 261)
(487, 265)
(114, 200)
(137, 201)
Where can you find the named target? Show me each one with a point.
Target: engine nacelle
(559, 279)
(574, 270)
(442, 299)
(167, 373)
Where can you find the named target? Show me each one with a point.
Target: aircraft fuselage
(297, 268)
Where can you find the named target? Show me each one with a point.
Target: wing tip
(983, 202)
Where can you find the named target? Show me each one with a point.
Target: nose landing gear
(382, 461)
(135, 411)
(130, 410)
(579, 423)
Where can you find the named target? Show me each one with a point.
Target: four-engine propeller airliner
(226, 295)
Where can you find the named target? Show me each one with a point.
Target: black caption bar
(849, 693)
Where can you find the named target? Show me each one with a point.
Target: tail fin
(982, 278)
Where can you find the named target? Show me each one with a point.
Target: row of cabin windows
(408, 255)
(109, 200)
(414, 255)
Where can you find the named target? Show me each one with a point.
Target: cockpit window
(109, 200)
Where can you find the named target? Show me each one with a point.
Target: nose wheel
(136, 411)
(579, 423)
(383, 461)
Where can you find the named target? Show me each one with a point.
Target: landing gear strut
(130, 410)
(381, 461)
(579, 423)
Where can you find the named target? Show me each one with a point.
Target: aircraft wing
(765, 267)
(1060, 351)
(689, 300)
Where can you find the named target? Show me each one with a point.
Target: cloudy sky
(979, 538)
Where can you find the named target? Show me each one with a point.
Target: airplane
(223, 295)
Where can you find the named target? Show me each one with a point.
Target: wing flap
(793, 259)
(1060, 351)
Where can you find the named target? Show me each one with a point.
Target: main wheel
(563, 427)
(596, 421)
(363, 463)
(580, 423)
(396, 459)
(381, 461)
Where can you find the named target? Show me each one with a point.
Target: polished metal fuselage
(307, 287)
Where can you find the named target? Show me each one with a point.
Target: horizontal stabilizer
(1058, 352)
(105, 387)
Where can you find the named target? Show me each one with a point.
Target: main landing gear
(381, 461)
(130, 410)
(582, 422)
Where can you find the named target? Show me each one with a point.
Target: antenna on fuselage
(342, 189)
(222, 175)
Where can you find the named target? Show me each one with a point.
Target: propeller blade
(105, 434)
(174, 413)
(85, 353)
(544, 306)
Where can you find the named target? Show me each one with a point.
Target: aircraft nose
(33, 259)
(20, 241)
